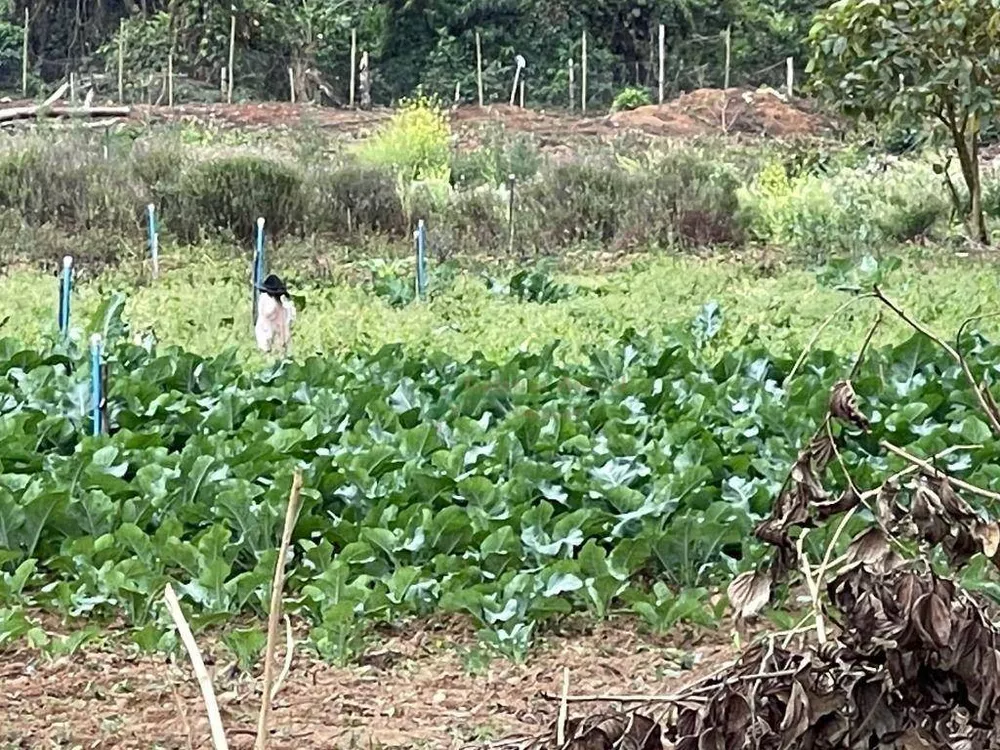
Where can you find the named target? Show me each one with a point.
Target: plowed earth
(425, 687)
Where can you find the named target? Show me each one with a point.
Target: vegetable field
(515, 492)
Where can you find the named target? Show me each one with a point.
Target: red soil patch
(705, 111)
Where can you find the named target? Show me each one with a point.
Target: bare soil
(762, 112)
(426, 687)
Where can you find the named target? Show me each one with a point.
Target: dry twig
(819, 331)
(198, 664)
(991, 413)
(563, 710)
(287, 666)
(933, 471)
(274, 616)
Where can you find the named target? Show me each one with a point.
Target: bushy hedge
(681, 196)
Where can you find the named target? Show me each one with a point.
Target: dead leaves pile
(917, 665)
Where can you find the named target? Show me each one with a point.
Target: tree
(914, 61)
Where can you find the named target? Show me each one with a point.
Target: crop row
(515, 492)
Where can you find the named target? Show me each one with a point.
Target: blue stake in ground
(65, 288)
(96, 384)
(257, 274)
(154, 239)
(421, 259)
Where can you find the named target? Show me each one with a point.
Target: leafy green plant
(631, 98)
(246, 644)
(662, 609)
(415, 143)
(534, 285)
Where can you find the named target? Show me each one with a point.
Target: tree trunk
(966, 141)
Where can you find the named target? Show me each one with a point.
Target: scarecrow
(275, 315)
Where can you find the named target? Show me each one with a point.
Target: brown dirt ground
(713, 111)
(417, 690)
(747, 111)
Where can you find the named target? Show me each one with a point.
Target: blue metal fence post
(96, 396)
(154, 240)
(65, 289)
(258, 267)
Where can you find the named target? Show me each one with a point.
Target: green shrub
(69, 184)
(228, 194)
(630, 98)
(853, 211)
(369, 193)
(415, 143)
(497, 156)
(678, 198)
(473, 224)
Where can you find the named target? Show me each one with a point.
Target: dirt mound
(712, 111)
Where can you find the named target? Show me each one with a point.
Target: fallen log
(28, 113)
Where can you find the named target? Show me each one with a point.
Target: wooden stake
(790, 76)
(72, 87)
(663, 59)
(222, 81)
(121, 62)
(521, 97)
(170, 80)
(24, 55)
(458, 92)
(198, 664)
(354, 64)
(729, 47)
(479, 68)
(571, 84)
(274, 616)
(365, 81)
(291, 84)
(232, 57)
(513, 89)
(583, 76)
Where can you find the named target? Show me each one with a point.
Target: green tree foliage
(428, 44)
(913, 61)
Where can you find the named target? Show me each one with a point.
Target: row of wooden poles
(228, 73)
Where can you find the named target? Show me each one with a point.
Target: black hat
(274, 286)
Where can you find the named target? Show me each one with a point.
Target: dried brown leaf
(988, 535)
(844, 405)
(795, 722)
(870, 548)
(932, 620)
(749, 593)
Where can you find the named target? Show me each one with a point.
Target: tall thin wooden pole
(121, 62)
(170, 79)
(790, 76)
(729, 49)
(354, 63)
(521, 95)
(571, 84)
(583, 76)
(663, 59)
(479, 67)
(232, 57)
(24, 55)
(291, 84)
(72, 87)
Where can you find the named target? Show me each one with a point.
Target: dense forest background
(411, 43)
